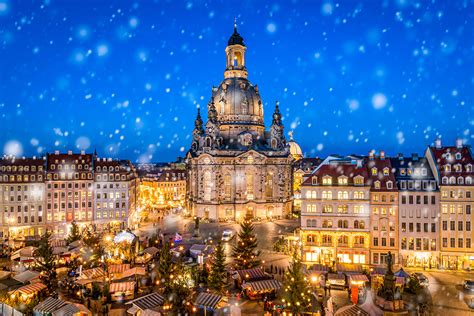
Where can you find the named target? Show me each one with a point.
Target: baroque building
(237, 168)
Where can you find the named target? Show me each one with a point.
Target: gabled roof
(336, 168)
(381, 164)
(447, 155)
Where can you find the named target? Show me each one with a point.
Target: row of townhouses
(356, 209)
(49, 193)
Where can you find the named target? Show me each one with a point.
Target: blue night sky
(126, 77)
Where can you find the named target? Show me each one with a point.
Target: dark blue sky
(126, 77)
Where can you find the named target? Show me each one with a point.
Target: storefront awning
(336, 276)
(31, 289)
(359, 278)
(118, 268)
(251, 274)
(264, 285)
(122, 287)
(208, 300)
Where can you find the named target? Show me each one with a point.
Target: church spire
(277, 116)
(212, 113)
(235, 52)
(198, 126)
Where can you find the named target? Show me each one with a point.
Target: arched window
(445, 180)
(468, 180)
(249, 178)
(343, 239)
(460, 180)
(447, 168)
(361, 225)
(313, 194)
(308, 194)
(345, 224)
(227, 187)
(269, 185)
(339, 223)
(274, 143)
(208, 142)
(452, 180)
(207, 185)
(356, 224)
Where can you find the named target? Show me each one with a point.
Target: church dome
(237, 101)
(295, 149)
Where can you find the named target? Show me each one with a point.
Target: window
(227, 186)
(376, 241)
(460, 243)
(433, 227)
(377, 184)
(452, 225)
(374, 171)
(425, 228)
(327, 180)
(452, 242)
(410, 227)
(468, 242)
(468, 209)
(445, 242)
(389, 185)
(418, 227)
(445, 225)
(385, 171)
(359, 180)
(327, 209)
(460, 225)
(433, 199)
(404, 199)
(468, 226)
(342, 180)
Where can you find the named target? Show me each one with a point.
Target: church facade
(237, 168)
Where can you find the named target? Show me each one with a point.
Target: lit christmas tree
(217, 275)
(245, 252)
(297, 294)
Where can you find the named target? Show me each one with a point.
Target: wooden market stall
(259, 289)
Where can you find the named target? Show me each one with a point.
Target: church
(237, 169)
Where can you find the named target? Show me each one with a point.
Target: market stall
(336, 280)
(122, 290)
(260, 289)
(208, 302)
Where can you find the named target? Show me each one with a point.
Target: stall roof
(251, 274)
(93, 273)
(122, 286)
(49, 305)
(352, 310)
(378, 271)
(359, 277)
(31, 288)
(336, 276)
(26, 276)
(71, 309)
(148, 301)
(263, 285)
(132, 272)
(118, 268)
(208, 300)
(151, 250)
(348, 267)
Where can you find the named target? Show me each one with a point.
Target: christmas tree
(244, 252)
(297, 294)
(74, 233)
(45, 261)
(217, 275)
(166, 268)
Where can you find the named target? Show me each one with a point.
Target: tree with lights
(45, 261)
(166, 268)
(245, 252)
(74, 233)
(179, 291)
(297, 294)
(217, 274)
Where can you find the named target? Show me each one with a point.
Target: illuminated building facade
(164, 188)
(236, 168)
(335, 214)
(115, 193)
(22, 197)
(52, 192)
(383, 209)
(418, 212)
(453, 170)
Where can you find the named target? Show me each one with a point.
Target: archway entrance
(249, 214)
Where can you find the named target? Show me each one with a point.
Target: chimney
(83, 152)
(371, 155)
(382, 155)
(400, 156)
(438, 143)
(459, 143)
(359, 163)
(414, 157)
(56, 152)
(69, 152)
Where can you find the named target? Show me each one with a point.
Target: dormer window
(389, 185)
(409, 171)
(424, 172)
(385, 171)
(377, 184)
(342, 180)
(374, 171)
(417, 171)
(447, 168)
(327, 180)
(314, 181)
(359, 180)
(460, 180)
(469, 168)
(447, 156)
(457, 168)
(458, 156)
(402, 171)
(445, 180)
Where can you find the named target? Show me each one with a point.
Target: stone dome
(237, 101)
(295, 150)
